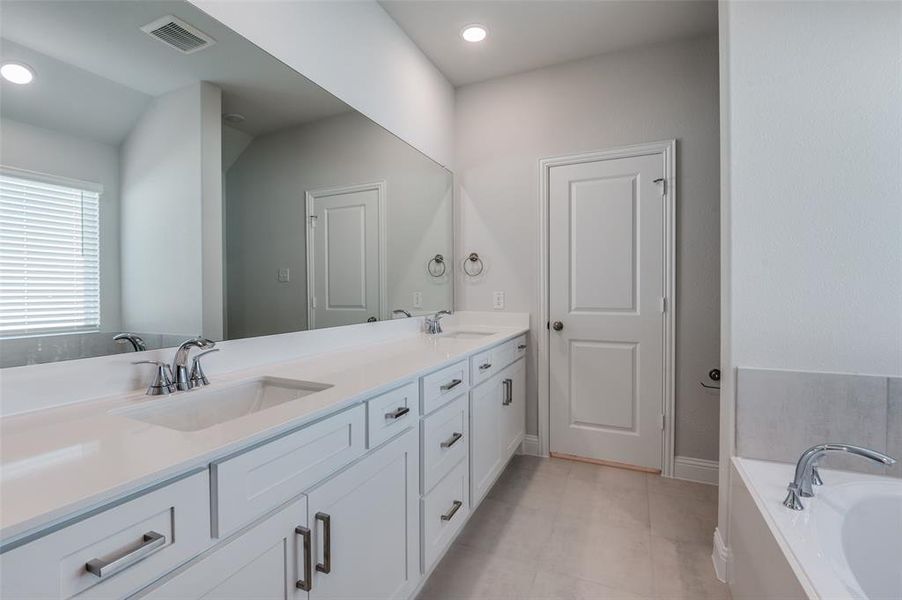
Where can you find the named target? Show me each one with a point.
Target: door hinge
(313, 219)
(312, 301)
(662, 304)
(661, 421)
(663, 183)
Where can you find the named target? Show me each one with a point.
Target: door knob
(557, 325)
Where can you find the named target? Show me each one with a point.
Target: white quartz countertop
(57, 462)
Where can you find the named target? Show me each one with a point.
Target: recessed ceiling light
(473, 33)
(233, 117)
(17, 73)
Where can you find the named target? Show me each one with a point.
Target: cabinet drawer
(117, 551)
(518, 346)
(391, 413)
(445, 435)
(445, 510)
(483, 366)
(256, 481)
(442, 385)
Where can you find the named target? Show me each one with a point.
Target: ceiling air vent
(177, 34)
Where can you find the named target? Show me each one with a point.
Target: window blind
(49, 255)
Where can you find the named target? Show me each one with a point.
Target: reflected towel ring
(439, 269)
(473, 265)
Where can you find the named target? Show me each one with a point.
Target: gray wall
(816, 89)
(265, 217)
(505, 126)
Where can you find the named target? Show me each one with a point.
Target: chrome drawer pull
(508, 392)
(397, 413)
(326, 565)
(452, 440)
(307, 582)
(485, 366)
(521, 347)
(151, 542)
(453, 511)
(451, 385)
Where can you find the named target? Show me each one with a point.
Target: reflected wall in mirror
(162, 176)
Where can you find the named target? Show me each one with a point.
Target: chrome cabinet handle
(521, 347)
(397, 413)
(452, 511)
(452, 440)
(508, 392)
(326, 565)
(306, 583)
(451, 385)
(485, 366)
(151, 542)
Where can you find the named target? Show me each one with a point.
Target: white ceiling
(93, 66)
(528, 34)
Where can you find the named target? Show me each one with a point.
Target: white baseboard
(721, 557)
(530, 445)
(696, 469)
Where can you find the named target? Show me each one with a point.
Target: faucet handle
(162, 380)
(197, 377)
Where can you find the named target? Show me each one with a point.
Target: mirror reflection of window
(49, 255)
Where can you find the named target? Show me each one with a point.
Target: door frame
(309, 197)
(667, 150)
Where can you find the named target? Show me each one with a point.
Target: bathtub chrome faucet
(807, 476)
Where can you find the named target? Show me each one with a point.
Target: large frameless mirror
(163, 177)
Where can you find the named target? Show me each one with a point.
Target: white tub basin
(202, 408)
(859, 530)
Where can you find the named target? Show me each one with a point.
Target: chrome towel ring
(436, 266)
(473, 265)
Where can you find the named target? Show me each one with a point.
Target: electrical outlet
(497, 300)
(418, 299)
(284, 275)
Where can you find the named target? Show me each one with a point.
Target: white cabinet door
(513, 407)
(485, 437)
(365, 524)
(265, 562)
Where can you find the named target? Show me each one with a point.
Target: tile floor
(556, 529)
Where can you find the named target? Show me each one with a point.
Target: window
(49, 255)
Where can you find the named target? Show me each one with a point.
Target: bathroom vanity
(354, 488)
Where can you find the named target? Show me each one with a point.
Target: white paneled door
(345, 270)
(606, 302)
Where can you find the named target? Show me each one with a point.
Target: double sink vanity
(341, 475)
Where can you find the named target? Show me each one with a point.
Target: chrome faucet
(400, 311)
(135, 340)
(180, 363)
(434, 323)
(807, 475)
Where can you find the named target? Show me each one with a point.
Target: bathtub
(847, 543)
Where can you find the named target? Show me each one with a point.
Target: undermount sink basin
(467, 335)
(202, 408)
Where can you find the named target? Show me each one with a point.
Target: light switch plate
(418, 299)
(497, 300)
(284, 275)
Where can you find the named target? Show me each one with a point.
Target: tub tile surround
(781, 413)
(45, 454)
